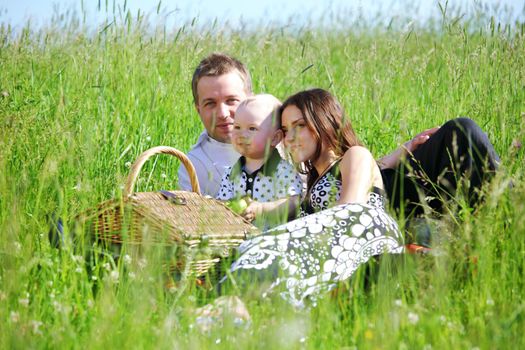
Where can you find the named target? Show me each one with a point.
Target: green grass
(77, 106)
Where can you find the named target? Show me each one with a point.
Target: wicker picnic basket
(201, 229)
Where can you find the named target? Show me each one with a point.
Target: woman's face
(298, 138)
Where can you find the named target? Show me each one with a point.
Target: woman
(344, 223)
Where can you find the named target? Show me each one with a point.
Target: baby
(260, 173)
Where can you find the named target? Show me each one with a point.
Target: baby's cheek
(257, 142)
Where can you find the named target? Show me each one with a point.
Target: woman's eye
(236, 127)
(253, 128)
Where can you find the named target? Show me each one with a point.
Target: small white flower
(143, 263)
(490, 302)
(58, 307)
(218, 341)
(78, 270)
(52, 295)
(78, 258)
(413, 318)
(442, 319)
(36, 327)
(114, 275)
(90, 303)
(127, 259)
(132, 276)
(163, 175)
(148, 138)
(14, 316)
(18, 246)
(94, 278)
(106, 266)
(398, 302)
(302, 340)
(128, 164)
(23, 301)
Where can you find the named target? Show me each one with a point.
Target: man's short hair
(218, 64)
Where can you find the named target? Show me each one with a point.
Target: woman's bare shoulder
(357, 154)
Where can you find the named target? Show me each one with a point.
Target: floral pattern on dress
(315, 252)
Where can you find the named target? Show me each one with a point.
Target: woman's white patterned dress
(308, 256)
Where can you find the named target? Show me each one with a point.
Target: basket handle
(135, 169)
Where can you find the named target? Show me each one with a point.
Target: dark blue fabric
(458, 150)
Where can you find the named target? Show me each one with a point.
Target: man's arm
(391, 160)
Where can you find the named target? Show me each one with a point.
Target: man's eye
(236, 127)
(232, 101)
(253, 128)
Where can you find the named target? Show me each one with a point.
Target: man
(220, 83)
(422, 174)
(426, 172)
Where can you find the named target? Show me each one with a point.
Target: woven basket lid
(167, 217)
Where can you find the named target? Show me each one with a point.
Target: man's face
(218, 98)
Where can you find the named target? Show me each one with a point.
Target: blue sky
(18, 12)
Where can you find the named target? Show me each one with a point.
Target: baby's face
(253, 131)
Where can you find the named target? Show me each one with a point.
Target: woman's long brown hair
(325, 118)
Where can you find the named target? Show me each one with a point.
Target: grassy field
(77, 106)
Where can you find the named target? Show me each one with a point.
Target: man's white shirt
(210, 158)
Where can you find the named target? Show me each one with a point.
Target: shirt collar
(204, 137)
(268, 168)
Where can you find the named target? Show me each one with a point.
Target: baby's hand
(253, 210)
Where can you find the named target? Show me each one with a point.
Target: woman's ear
(277, 137)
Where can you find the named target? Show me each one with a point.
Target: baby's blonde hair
(269, 104)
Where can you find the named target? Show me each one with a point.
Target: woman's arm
(358, 171)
